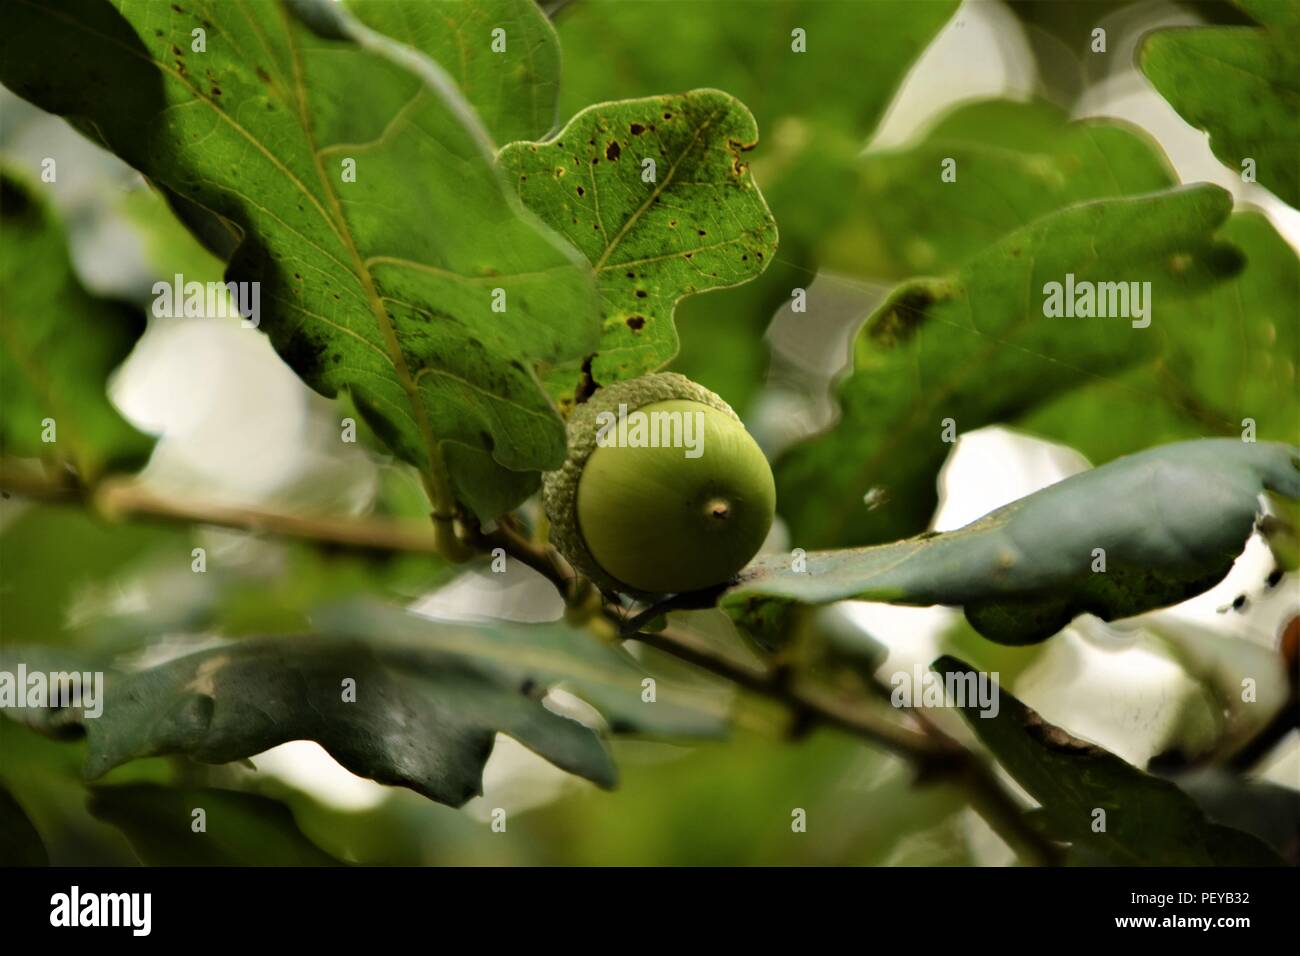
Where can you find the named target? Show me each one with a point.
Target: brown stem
(934, 754)
(125, 499)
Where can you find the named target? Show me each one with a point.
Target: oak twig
(935, 755)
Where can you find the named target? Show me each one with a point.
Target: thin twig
(935, 755)
(120, 500)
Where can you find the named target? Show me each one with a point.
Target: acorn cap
(560, 487)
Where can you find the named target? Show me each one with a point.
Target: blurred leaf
(169, 247)
(60, 345)
(57, 559)
(545, 655)
(699, 224)
(20, 844)
(729, 805)
(1238, 84)
(44, 775)
(281, 602)
(812, 120)
(1230, 357)
(805, 184)
(1266, 810)
(514, 90)
(977, 348)
(615, 49)
(361, 288)
(421, 719)
(1148, 821)
(242, 829)
(1171, 521)
(1014, 161)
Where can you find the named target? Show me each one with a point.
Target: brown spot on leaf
(1057, 737)
(636, 322)
(613, 151)
(637, 129)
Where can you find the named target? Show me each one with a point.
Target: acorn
(663, 491)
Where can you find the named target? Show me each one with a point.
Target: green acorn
(663, 492)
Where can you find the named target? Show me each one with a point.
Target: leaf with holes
(511, 77)
(1148, 820)
(60, 345)
(1138, 533)
(656, 193)
(814, 110)
(977, 347)
(417, 284)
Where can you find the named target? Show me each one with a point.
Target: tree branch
(934, 754)
(121, 500)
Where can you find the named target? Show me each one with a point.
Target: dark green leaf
(698, 223)
(241, 829)
(20, 844)
(422, 718)
(1170, 521)
(60, 345)
(1148, 821)
(977, 348)
(383, 286)
(545, 655)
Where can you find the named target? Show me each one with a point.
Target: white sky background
(236, 425)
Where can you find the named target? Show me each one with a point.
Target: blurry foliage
(215, 665)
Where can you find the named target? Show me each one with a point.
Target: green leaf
(1149, 821)
(546, 655)
(978, 349)
(812, 121)
(699, 223)
(1014, 162)
(383, 286)
(615, 49)
(1223, 363)
(422, 719)
(60, 345)
(1170, 522)
(1266, 810)
(20, 844)
(242, 829)
(513, 90)
(68, 558)
(1238, 84)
